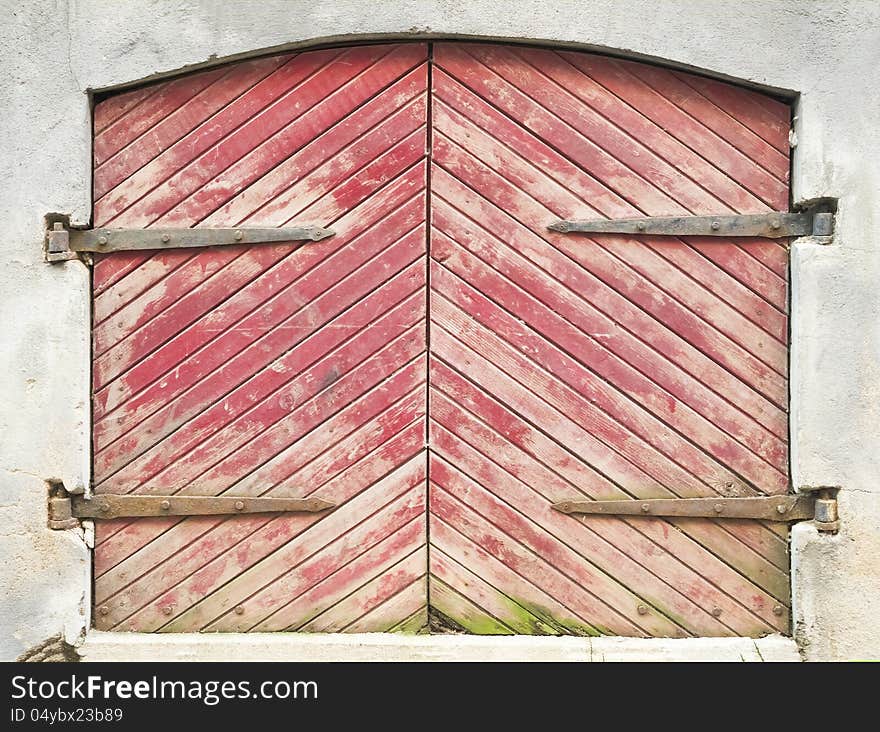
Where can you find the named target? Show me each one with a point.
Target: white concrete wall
(55, 52)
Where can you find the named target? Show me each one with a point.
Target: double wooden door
(444, 368)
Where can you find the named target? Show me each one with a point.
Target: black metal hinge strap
(770, 226)
(64, 243)
(766, 508)
(130, 506)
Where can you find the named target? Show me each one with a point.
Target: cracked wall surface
(55, 52)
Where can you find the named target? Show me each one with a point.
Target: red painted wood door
(557, 366)
(269, 370)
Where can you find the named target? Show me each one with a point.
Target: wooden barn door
(563, 366)
(273, 369)
(444, 368)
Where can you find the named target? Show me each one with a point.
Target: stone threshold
(139, 647)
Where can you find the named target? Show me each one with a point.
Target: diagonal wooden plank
(469, 584)
(688, 585)
(392, 210)
(580, 297)
(459, 306)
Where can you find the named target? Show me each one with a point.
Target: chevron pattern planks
(609, 367)
(444, 368)
(270, 370)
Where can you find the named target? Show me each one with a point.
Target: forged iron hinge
(819, 506)
(64, 243)
(770, 226)
(65, 509)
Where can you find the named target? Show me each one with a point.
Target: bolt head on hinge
(60, 510)
(825, 517)
(58, 244)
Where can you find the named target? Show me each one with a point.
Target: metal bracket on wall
(64, 509)
(63, 244)
(770, 226)
(820, 507)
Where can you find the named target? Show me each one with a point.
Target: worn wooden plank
(465, 615)
(386, 616)
(395, 580)
(391, 533)
(581, 472)
(631, 137)
(621, 326)
(766, 117)
(125, 177)
(652, 111)
(482, 594)
(271, 126)
(240, 571)
(268, 343)
(720, 122)
(461, 304)
(678, 583)
(331, 589)
(313, 271)
(130, 124)
(514, 217)
(551, 567)
(146, 323)
(312, 464)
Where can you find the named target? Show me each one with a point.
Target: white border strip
(140, 647)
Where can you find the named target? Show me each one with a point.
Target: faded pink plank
(649, 134)
(523, 174)
(458, 501)
(602, 165)
(166, 98)
(393, 530)
(679, 563)
(152, 455)
(649, 346)
(250, 315)
(177, 288)
(183, 173)
(398, 607)
(591, 256)
(549, 449)
(624, 473)
(108, 110)
(339, 137)
(220, 461)
(765, 117)
(718, 120)
(238, 574)
(331, 589)
(617, 402)
(370, 596)
(509, 138)
(148, 569)
(519, 219)
(548, 618)
(191, 129)
(130, 172)
(309, 267)
(662, 114)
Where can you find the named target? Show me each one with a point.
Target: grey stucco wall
(55, 52)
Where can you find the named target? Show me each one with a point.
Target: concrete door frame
(834, 297)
